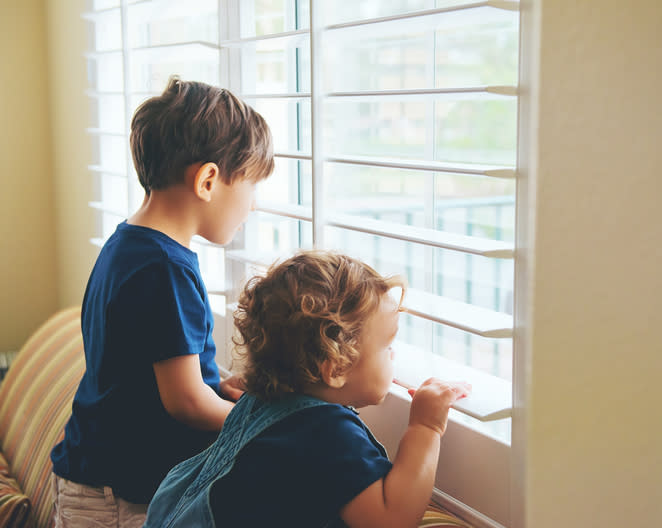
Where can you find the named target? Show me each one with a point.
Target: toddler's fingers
(459, 389)
(462, 389)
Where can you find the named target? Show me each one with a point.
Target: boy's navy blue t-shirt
(145, 302)
(300, 472)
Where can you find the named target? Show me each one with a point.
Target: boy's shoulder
(139, 255)
(143, 246)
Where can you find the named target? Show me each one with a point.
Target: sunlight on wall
(28, 289)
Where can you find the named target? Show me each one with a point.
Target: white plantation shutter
(397, 144)
(395, 132)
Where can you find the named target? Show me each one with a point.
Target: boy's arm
(186, 397)
(400, 499)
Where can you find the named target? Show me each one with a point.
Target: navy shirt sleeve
(346, 460)
(307, 466)
(158, 313)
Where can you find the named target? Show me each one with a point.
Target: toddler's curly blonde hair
(304, 311)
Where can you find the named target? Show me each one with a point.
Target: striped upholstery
(14, 504)
(436, 517)
(35, 404)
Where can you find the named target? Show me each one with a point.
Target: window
(395, 128)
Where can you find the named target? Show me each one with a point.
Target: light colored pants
(80, 506)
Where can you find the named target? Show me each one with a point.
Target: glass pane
(289, 121)
(403, 197)
(113, 152)
(340, 11)
(480, 51)
(212, 265)
(114, 193)
(475, 205)
(109, 224)
(104, 4)
(492, 356)
(303, 13)
(473, 279)
(378, 193)
(151, 69)
(286, 184)
(98, 5)
(378, 63)
(474, 47)
(137, 100)
(474, 130)
(107, 72)
(268, 233)
(275, 65)
(107, 31)
(107, 113)
(267, 17)
(460, 276)
(137, 192)
(172, 21)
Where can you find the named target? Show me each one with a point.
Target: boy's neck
(168, 212)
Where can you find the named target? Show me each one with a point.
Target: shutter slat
(427, 13)
(428, 237)
(99, 206)
(467, 317)
(103, 170)
(483, 92)
(285, 35)
(442, 310)
(425, 165)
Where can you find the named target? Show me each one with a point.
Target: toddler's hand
(432, 401)
(232, 388)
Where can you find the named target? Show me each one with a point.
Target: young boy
(150, 396)
(316, 335)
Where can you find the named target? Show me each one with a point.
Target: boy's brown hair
(306, 310)
(193, 122)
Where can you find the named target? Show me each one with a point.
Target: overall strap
(249, 418)
(191, 480)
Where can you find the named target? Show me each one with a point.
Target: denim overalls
(182, 499)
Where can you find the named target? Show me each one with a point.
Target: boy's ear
(204, 180)
(330, 377)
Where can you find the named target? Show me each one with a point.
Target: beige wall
(28, 255)
(594, 416)
(73, 183)
(45, 223)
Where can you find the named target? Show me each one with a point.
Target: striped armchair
(35, 404)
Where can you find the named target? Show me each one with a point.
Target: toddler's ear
(330, 377)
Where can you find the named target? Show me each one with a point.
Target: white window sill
(490, 398)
